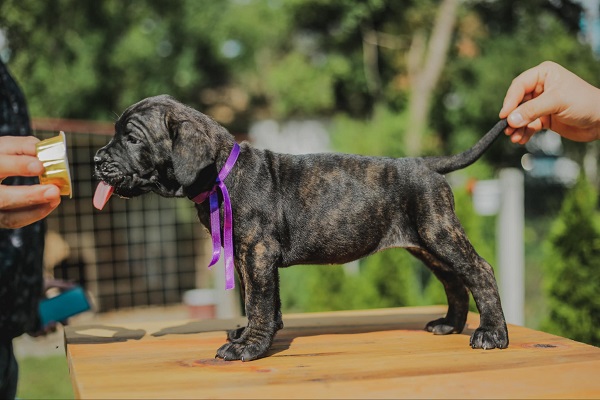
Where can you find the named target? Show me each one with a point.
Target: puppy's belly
(344, 245)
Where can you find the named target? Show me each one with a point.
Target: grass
(44, 378)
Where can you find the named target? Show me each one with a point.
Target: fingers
(529, 102)
(18, 145)
(18, 156)
(23, 205)
(522, 135)
(530, 117)
(45, 330)
(15, 197)
(19, 218)
(537, 108)
(524, 87)
(59, 284)
(20, 165)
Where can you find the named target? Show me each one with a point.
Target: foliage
(474, 85)
(386, 279)
(44, 378)
(240, 61)
(379, 135)
(92, 59)
(303, 86)
(393, 279)
(572, 276)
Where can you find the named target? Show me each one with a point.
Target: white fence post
(511, 258)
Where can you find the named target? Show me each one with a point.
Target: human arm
(549, 96)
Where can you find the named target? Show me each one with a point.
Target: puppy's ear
(192, 149)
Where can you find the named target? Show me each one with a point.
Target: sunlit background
(378, 77)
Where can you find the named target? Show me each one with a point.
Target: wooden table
(350, 354)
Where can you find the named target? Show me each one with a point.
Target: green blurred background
(388, 77)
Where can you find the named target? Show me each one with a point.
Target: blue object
(63, 306)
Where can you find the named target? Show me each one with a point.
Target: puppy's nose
(97, 159)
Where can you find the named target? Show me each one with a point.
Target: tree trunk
(425, 72)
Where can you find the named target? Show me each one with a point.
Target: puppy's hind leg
(456, 292)
(451, 246)
(443, 237)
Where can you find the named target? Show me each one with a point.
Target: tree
(496, 41)
(91, 60)
(425, 66)
(239, 61)
(572, 276)
(345, 60)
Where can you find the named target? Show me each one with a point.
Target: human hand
(23, 205)
(549, 96)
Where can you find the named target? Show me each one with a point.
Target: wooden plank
(357, 354)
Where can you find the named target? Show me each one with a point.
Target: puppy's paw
(484, 338)
(234, 334)
(443, 326)
(249, 345)
(240, 351)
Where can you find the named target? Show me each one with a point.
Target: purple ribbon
(215, 223)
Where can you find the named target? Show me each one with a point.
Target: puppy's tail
(445, 164)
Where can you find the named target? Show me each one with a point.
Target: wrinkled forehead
(140, 113)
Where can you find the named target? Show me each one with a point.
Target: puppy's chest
(203, 213)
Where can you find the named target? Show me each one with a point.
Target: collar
(215, 222)
(208, 179)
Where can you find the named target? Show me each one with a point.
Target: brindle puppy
(307, 209)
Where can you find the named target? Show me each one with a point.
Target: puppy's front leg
(263, 309)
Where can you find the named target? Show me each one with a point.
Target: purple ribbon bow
(215, 223)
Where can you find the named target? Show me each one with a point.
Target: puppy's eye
(133, 140)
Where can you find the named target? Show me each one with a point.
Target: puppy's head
(161, 146)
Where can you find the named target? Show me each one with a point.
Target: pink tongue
(103, 192)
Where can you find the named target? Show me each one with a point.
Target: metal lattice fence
(137, 252)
